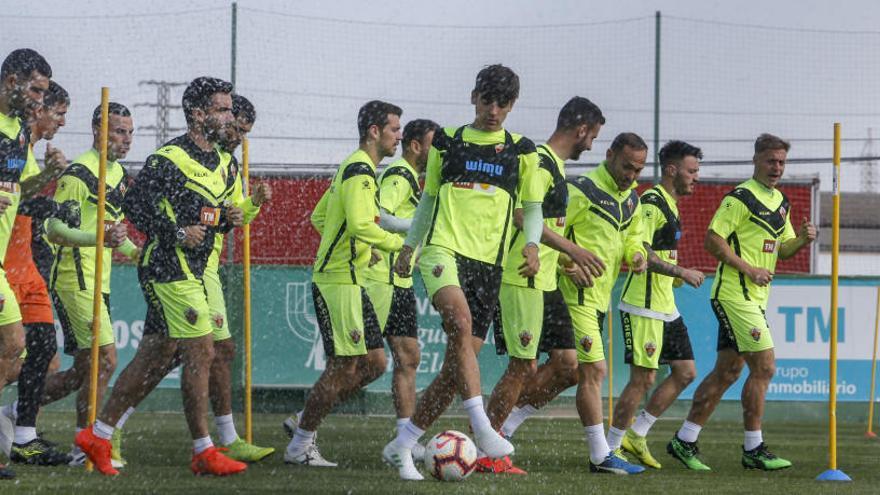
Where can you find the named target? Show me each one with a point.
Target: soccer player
(603, 216)
(31, 289)
(533, 314)
(224, 347)
(654, 332)
(393, 296)
(178, 201)
(350, 330)
(73, 272)
(475, 175)
(24, 78)
(154, 345)
(749, 232)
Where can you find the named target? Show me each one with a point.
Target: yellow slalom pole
(870, 433)
(99, 260)
(610, 365)
(246, 261)
(833, 474)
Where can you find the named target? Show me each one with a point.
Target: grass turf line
(157, 447)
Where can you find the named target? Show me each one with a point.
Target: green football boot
(116, 459)
(761, 458)
(246, 452)
(686, 452)
(638, 447)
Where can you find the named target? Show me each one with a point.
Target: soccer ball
(451, 456)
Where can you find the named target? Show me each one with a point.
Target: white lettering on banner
(800, 321)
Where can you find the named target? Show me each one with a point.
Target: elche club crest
(525, 338)
(191, 315)
(650, 348)
(499, 148)
(355, 336)
(756, 334)
(782, 211)
(437, 271)
(587, 343)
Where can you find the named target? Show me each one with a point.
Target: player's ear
(474, 96)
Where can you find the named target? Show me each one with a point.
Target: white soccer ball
(451, 456)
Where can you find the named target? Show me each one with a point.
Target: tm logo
(816, 323)
(485, 167)
(301, 320)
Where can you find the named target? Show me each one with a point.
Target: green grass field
(552, 450)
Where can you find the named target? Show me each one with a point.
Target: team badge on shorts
(650, 348)
(525, 338)
(437, 271)
(355, 336)
(191, 315)
(587, 343)
(756, 334)
(2, 303)
(218, 320)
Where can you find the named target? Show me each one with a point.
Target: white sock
(301, 440)
(128, 412)
(299, 417)
(202, 444)
(615, 437)
(11, 410)
(476, 413)
(408, 435)
(689, 432)
(102, 430)
(226, 429)
(401, 422)
(596, 441)
(643, 423)
(24, 434)
(516, 418)
(752, 439)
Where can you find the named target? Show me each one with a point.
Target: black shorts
(372, 330)
(481, 283)
(403, 319)
(557, 331)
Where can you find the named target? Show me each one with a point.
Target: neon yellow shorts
(643, 338)
(522, 315)
(178, 309)
(75, 314)
(346, 319)
(742, 326)
(587, 323)
(9, 310)
(381, 294)
(216, 305)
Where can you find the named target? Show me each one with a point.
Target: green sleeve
(71, 188)
(358, 202)
(319, 214)
(635, 237)
(31, 169)
(128, 249)
(393, 192)
(432, 171)
(531, 188)
(236, 197)
(652, 221)
(69, 236)
(728, 217)
(788, 233)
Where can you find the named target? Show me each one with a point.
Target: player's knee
(408, 361)
(224, 350)
(643, 378)
(376, 364)
(107, 361)
(524, 369)
(684, 375)
(12, 343)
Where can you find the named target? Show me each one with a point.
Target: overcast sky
(308, 65)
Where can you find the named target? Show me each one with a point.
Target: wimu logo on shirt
(15, 164)
(484, 167)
